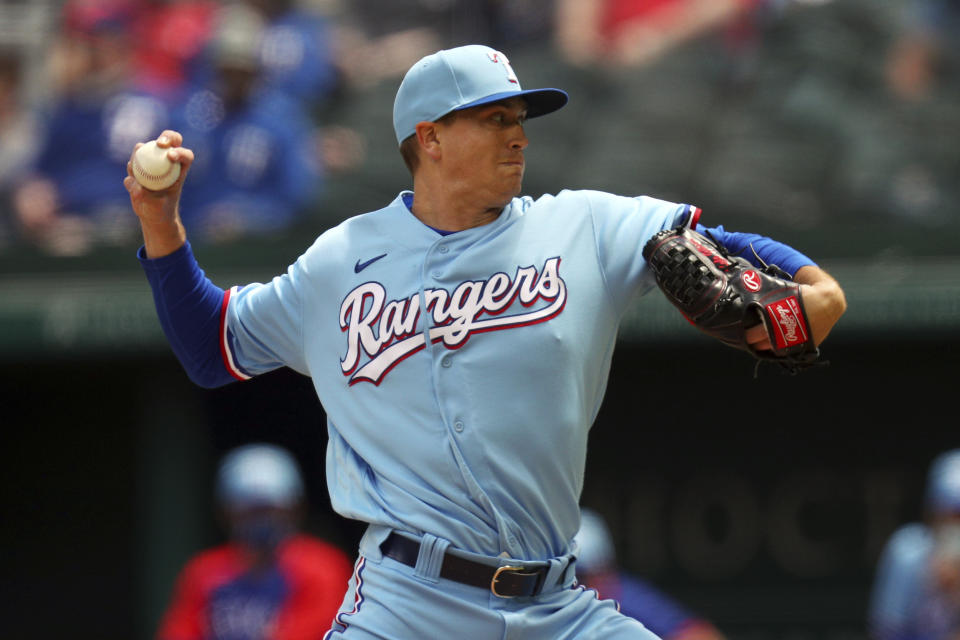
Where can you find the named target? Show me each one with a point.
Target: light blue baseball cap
(258, 475)
(594, 543)
(454, 79)
(943, 483)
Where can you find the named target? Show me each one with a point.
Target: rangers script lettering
(384, 330)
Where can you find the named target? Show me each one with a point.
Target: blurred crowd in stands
(797, 112)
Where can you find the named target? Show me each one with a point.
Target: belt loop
(372, 538)
(430, 558)
(560, 571)
(569, 572)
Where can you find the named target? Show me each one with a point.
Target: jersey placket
(453, 397)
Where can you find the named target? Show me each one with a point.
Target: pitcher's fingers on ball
(181, 155)
(169, 138)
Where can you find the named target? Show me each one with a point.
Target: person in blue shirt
(258, 168)
(597, 569)
(67, 199)
(297, 53)
(916, 590)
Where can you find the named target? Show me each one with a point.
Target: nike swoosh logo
(360, 266)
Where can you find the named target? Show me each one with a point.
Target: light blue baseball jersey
(905, 603)
(460, 373)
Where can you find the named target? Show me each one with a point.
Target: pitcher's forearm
(823, 299)
(162, 239)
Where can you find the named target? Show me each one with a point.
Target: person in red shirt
(269, 581)
(633, 33)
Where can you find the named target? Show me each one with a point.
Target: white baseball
(152, 169)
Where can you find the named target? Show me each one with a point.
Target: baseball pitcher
(460, 340)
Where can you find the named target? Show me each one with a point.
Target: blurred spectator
(298, 58)
(73, 195)
(375, 43)
(297, 54)
(637, 32)
(597, 569)
(916, 592)
(269, 581)
(19, 131)
(926, 48)
(379, 40)
(257, 165)
(168, 39)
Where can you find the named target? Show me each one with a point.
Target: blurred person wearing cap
(916, 590)
(297, 51)
(925, 55)
(597, 569)
(258, 167)
(168, 40)
(631, 33)
(66, 200)
(19, 133)
(459, 340)
(269, 581)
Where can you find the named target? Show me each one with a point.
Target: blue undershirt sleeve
(189, 308)
(769, 250)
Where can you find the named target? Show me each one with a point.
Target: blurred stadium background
(763, 503)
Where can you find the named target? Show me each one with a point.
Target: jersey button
(458, 426)
(447, 361)
(443, 248)
(435, 275)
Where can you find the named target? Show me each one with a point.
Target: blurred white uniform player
(916, 594)
(597, 569)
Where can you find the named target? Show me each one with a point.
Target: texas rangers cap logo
(751, 280)
(497, 56)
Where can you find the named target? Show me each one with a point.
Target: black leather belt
(505, 581)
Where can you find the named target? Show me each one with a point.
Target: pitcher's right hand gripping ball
(153, 169)
(724, 295)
